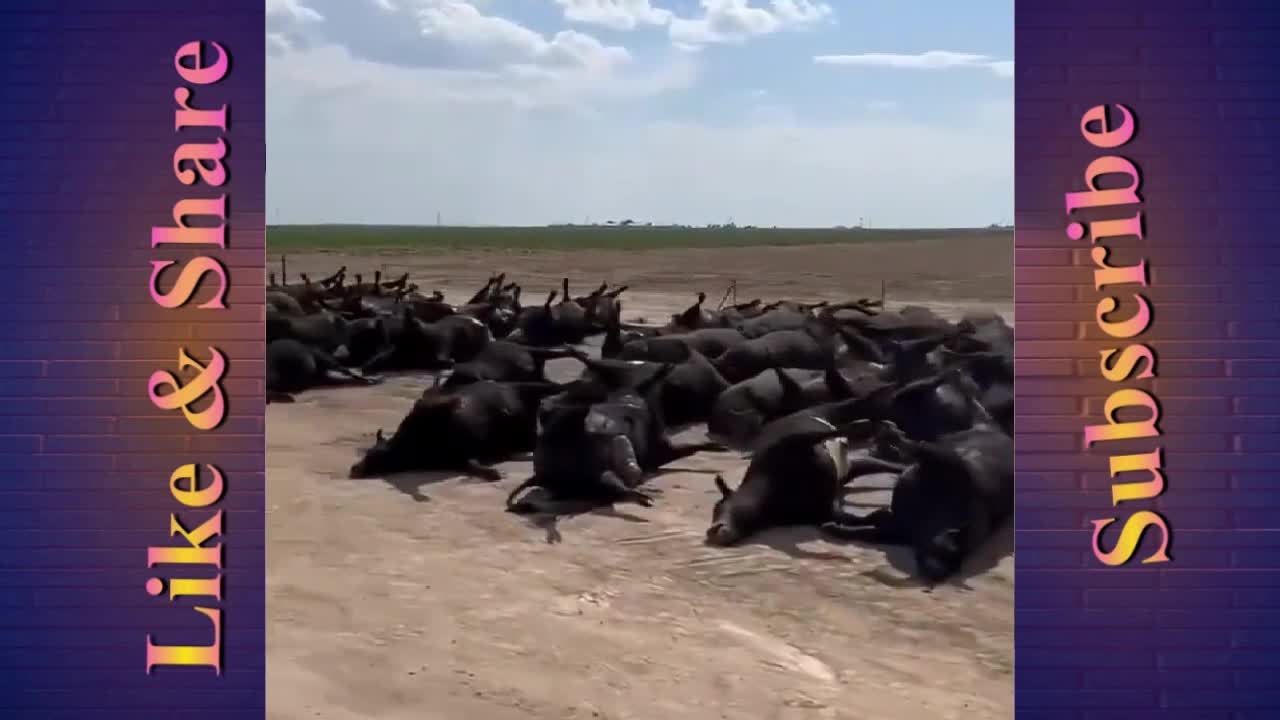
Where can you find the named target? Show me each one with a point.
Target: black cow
(740, 412)
(324, 330)
(741, 312)
(772, 321)
(990, 332)
(906, 323)
(414, 345)
(686, 394)
(711, 342)
(552, 323)
(460, 429)
(366, 338)
(504, 361)
(957, 491)
(808, 348)
(929, 407)
(598, 444)
(918, 358)
(694, 317)
(615, 337)
(569, 318)
(283, 303)
(430, 346)
(992, 373)
(465, 337)
(795, 478)
(601, 305)
(293, 367)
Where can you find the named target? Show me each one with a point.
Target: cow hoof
(640, 498)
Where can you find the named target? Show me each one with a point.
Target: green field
(372, 238)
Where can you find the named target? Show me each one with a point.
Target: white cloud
(801, 12)
(614, 14)
(575, 48)
(442, 34)
(288, 23)
(1003, 68)
(734, 21)
(931, 60)
(278, 43)
(292, 10)
(720, 21)
(462, 25)
(550, 82)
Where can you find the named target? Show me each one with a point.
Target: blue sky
(526, 112)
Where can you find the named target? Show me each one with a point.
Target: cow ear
(722, 487)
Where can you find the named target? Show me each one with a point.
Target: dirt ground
(418, 597)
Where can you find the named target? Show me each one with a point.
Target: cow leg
(381, 361)
(870, 466)
(846, 519)
(879, 527)
(522, 507)
(335, 377)
(332, 372)
(475, 469)
(275, 396)
(614, 484)
(623, 461)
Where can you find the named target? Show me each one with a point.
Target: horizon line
(993, 226)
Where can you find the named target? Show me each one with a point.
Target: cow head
(723, 531)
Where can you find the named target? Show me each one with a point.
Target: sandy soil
(417, 597)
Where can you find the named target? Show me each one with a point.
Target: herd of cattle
(817, 394)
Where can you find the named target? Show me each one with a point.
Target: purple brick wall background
(86, 145)
(1194, 638)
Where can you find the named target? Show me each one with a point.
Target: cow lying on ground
(439, 345)
(461, 429)
(293, 367)
(504, 361)
(684, 395)
(795, 478)
(599, 441)
(957, 491)
(741, 411)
